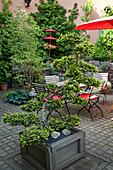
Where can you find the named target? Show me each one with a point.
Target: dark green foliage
(5, 11)
(108, 11)
(17, 97)
(79, 46)
(23, 119)
(4, 47)
(52, 15)
(105, 41)
(103, 44)
(4, 72)
(22, 35)
(64, 122)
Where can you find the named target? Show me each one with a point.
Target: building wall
(98, 10)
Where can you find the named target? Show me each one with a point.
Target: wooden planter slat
(57, 155)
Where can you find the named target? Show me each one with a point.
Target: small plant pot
(3, 87)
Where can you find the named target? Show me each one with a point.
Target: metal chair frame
(40, 88)
(91, 102)
(100, 90)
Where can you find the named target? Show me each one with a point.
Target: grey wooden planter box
(58, 155)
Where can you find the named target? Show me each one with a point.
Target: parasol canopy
(97, 24)
(50, 38)
(50, 30)
(49, 45)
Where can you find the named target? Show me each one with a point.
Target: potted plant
(4, 74)
(35, 140)
(40, 149)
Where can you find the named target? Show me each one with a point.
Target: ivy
(87, 9)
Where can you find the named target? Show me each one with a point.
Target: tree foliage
(105, 41)
(79, 46)
(23, 36)
(87, 9)
(4, 47)
(52, 15)
(103, 45)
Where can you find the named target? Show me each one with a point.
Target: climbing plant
(5, 11)
(4, 47)
(87, 10)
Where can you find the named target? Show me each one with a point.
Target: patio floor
(98, 147)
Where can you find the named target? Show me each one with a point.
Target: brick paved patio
(99, 142)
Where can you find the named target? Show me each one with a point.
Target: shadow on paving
(88, 162)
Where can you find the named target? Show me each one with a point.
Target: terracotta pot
(4, 87)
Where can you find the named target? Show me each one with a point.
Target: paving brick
(99, 143)
(7, 148)
(4, 166)
(9, 168)
(109, 167)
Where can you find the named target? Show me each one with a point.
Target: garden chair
(103, 77)
(100, 90)
(51, 79)
(41, 88)
(92, 99)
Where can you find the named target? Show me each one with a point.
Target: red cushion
(103, 87)
(87, 95)
(53, 91)
(90, 87)
(54, 97)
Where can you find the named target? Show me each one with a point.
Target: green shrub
(38, 133)
(64, 122)
(30, 106)
(17, 97)
(23, 119)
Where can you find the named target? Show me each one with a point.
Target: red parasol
(50, 30)
(49, 45)
(50, 38)
(97, 24)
